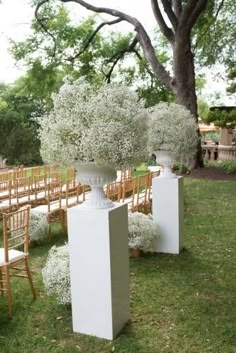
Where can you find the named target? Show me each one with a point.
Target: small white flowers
(107, 125)
(172, 128)
(142, 231)
(56, 274)
(38, 225)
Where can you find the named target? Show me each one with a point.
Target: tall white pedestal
(168, 211)
(99, 269)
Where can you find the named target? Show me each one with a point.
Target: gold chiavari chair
(113, 191)
(52, 207)
(128, 192)
(141, 197)
(15, 252)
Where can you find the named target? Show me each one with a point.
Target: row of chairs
(51, 198)
(21, 171)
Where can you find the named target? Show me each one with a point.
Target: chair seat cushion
(13, 255)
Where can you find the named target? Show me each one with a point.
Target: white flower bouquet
(106, 125)
(56, 274)
(142, 231)
(172, 128)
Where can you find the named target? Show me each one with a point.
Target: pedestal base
(167, 207)
(99, 269)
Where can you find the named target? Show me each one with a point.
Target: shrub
(229, 165)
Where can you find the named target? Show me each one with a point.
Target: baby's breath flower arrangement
(106, 125)
(56, 274)
(172, 128)
(142, 231)
(38, 225)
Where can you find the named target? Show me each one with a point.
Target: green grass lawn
(179, 304)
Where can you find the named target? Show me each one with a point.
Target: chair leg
(1, 283)
(63, 221)
(30, 277)
(8, 291)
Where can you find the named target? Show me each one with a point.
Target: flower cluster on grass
(107, 125)
(56, 274)
(38, 225)
(142, 231)
(173, 128)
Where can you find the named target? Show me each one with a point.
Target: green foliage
(203, 108)
(213, 136)
(214, 37)
(18, 143)
(228, 166)
(222, 118)
(232, 77)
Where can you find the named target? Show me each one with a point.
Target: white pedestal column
(167, 208)
(99, 269)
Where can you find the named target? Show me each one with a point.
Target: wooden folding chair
(19, 172)
(52, 208)
(73, 194)
(14, 255)
(141, 197)
(128, 192)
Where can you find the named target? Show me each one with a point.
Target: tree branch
(214, 18)
(170, 13)
(167, 32)
(177, 5)
(191, 12)
(143, 38)
(41, 23)
(91, 37)
(118, 56)
(198, 10)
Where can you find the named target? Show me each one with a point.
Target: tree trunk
(184, 81)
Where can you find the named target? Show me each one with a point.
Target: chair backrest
(16, 230)
(143, 187)
(128, 188)
(35, 171)
(73, 190)
(70, 173)
(19, 172)
(53, 195)
(113, 190)
(5, 189)
(23, 187)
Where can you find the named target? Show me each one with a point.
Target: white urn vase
(166, 159)
(96, 177)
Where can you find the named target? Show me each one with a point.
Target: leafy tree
(180, 31)
(203, 108)
(188, 30)
(19, 142)
(222, 116)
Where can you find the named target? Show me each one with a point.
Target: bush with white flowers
(142, 231)
(38, 225)
(56, 274)
(172, 128)
(106, 125)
